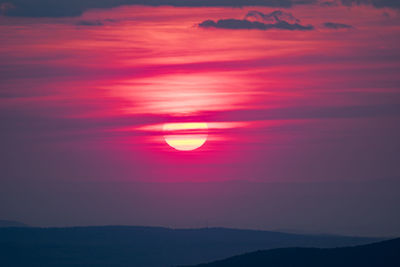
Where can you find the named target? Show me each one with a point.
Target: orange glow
(185, 136)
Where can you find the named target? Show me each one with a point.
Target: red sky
(83, 100)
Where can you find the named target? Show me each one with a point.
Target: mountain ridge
(383, 253)
(145, 246)
(11, 223)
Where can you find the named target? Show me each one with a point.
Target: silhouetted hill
(144, 246)
(386, 253)
(6, 223)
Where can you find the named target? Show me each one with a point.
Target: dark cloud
(336, 26)
(328, 3)
(237, 24)
(89, 23)
(4, 7)
(259, 21)
(375, 3)
(273, 17)
(233, 24)
(72, 8)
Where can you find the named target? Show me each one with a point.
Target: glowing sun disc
(185, 136)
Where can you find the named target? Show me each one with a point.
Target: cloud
(259, 21)
(273, 17)
(328, 3)
(4, 7)
(89, 23)
(375, 3)
(237, 24)
(336, 26)
(73, 8)
(309, 112)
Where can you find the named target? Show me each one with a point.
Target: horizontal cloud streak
(292, 113)
(34, 126)
(375, 3)
(237, 24)
(45, 8)
(74, 8)
(89, 23)
(336, 26)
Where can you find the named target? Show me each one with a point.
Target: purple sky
(301, 103)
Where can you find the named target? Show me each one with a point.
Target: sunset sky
(301, 102)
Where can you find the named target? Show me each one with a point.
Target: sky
(295, 107)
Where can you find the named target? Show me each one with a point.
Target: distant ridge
(8, 223)
(145, 246)
(385, 253)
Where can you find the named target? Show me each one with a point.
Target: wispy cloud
(375, 3)
(328, 3)
(89, 23)
(336, 26)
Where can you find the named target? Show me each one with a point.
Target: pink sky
(86, 103)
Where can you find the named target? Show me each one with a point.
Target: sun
(185, 136)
